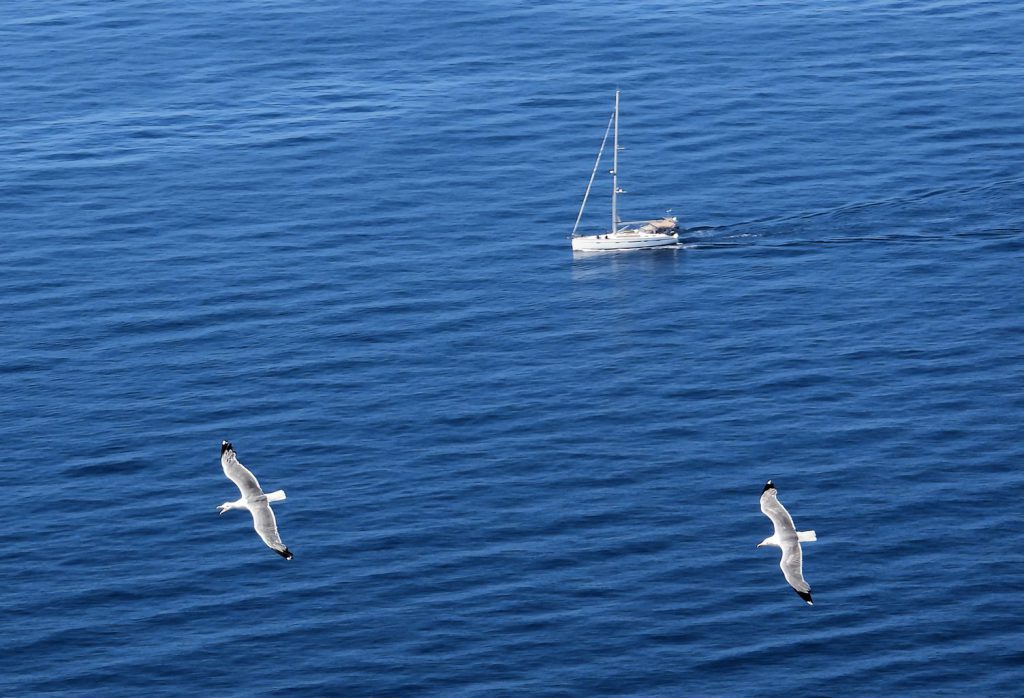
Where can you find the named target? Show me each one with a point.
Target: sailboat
(622, 235)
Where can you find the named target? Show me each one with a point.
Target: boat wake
(938, 216)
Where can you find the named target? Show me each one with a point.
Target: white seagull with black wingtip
(788, 538)
(253, 499)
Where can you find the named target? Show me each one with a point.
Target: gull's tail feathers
(275, 496)
(802, 536)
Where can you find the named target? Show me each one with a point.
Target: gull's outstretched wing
(265, 523)
(773, 509)
(792, 565)
(238, 473)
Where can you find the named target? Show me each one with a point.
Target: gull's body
(253, 499)
(788, 538)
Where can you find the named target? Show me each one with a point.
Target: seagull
(253, 499)
(788, 538)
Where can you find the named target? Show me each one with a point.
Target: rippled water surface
(334, 233)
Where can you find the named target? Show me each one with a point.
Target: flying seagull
(788, 538)
(253, 499)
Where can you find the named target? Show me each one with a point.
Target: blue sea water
(335, 234)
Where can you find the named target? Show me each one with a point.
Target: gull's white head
(770, 540)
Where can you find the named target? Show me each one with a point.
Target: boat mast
(615, 167)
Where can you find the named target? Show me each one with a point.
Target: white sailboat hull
(623, 240)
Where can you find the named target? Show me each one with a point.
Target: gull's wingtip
(806, 596)
(768, 486)
(225, 446)
(286, 553)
